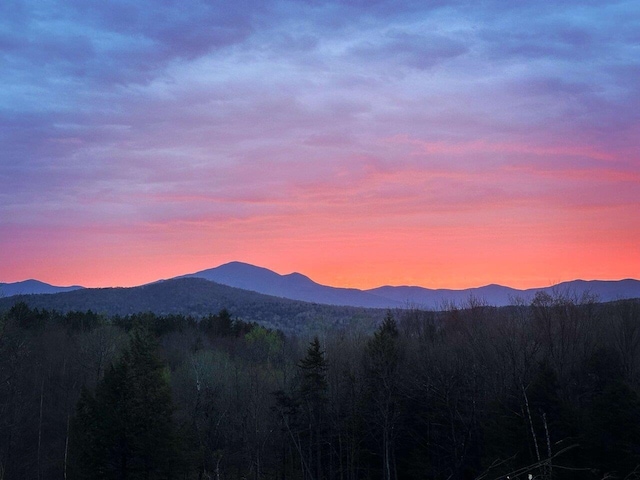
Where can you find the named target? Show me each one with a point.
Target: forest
(544, 390)
(197, 297)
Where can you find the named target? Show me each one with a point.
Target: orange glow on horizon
(407, 145)
(521, 256)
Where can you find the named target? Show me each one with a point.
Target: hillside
(199, 297)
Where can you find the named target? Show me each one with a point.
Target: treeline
(197, 297)
(548, 389)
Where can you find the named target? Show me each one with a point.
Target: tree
(382, 362)
(313, 395)
(125, 431)
(612, 415)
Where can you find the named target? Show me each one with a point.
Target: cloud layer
(447, 144)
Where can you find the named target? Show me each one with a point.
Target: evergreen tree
(382, 368)
(314, 374)
(126, 430)
(313, 394)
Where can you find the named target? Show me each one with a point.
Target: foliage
(548, 390)
(125, 431)
(196, 298)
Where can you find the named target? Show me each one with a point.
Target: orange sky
(407, 144)
(335, 244)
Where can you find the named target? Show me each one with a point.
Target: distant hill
(299, 287)
(199, 297)
(498, 296)
(495, 295)
(294, 286)
(28, 287)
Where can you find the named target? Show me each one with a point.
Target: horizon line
(404, 285)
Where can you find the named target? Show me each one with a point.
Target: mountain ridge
(33, 287)
(297, 286)
(199, 298)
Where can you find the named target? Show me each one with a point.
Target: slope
(199, 297)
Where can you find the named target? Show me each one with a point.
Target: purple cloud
(417, 51)
(160, 113)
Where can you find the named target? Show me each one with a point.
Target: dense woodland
(548, 389)
(197, 297)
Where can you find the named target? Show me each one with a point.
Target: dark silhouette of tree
(125, 431)
(220, 325)
(313, 400)
(612, 435)
(548, 389)
(382, 369)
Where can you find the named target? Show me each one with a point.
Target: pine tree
(314, 374)
(382, 361)
(313, 394)
(125, 431)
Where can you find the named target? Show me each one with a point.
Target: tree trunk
(66, 449)
(40, 429)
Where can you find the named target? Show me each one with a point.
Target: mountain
(29, 287)
(294, 286)
(605, 290)
(199, 297)
(498, 295)
(495, 295)
(299, 287)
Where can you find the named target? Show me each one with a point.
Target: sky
(360, 142)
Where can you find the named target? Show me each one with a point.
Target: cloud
(416, 51)
(182, 120)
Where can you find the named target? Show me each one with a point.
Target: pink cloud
(139, 153)
(483, 146)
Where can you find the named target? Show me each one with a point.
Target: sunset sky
(360, 142)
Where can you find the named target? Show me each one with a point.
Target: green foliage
(264, 344)
(220, 325)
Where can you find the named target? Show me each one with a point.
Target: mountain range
(32, 287)
(296, 286)
(199, 298)
(299, 287)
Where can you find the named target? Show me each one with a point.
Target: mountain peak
(32, 286)
(239, 266)
(297, 286)
(298, 277)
